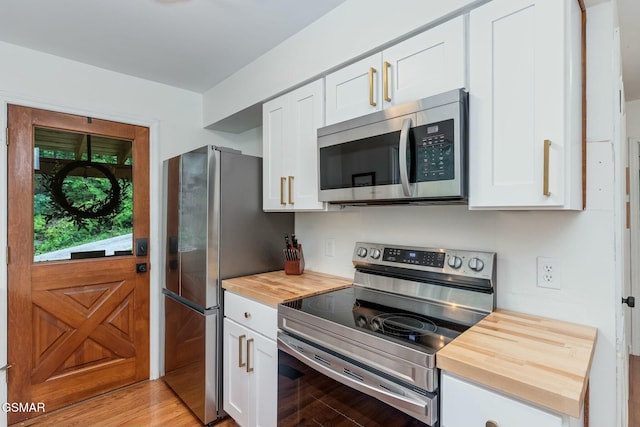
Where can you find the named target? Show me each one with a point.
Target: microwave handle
(402, 158)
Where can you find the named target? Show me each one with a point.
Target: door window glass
(83, 204)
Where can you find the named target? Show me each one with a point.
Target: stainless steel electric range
(365, 355)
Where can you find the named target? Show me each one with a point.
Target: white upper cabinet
(426, 64)
(525, 139)
(290, 168)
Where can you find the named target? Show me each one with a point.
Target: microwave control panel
(434, 150)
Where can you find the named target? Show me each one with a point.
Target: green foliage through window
(55, 231)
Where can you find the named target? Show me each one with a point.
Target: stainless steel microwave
(410, 153)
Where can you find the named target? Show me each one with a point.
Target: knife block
(294, 266)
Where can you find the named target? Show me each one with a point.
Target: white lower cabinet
(465, 404)
(250, 380)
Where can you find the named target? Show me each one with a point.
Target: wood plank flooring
(145, 404)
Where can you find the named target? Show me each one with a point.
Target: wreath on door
(101, 208)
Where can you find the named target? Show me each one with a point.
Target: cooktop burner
(405, 326)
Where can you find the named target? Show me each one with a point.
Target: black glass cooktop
(395, 324)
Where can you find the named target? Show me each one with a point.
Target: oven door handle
(387, 396)
(402, 157)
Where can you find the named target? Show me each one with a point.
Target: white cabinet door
(250, 363)
(290, 167)
(524, 103)
(465, 405)
(354, 90)
(235, 379)
(307, 112)
(264, 360)
(427, 64)
(275, 154)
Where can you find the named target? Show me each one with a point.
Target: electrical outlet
(548, 272)
(330, 247)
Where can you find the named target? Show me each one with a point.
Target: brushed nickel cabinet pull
(282, 181)
(545, 178)
(491, 424)
(385, 77)
(249, 367)
(290, 190)
(241, 364)
(372, 71)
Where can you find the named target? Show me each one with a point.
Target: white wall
(583, 242)
(353, 29)
(633, 118)
(31, 78)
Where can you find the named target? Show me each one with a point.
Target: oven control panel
(449, 261)
(414, 256)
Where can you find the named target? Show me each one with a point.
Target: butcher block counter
(275, 287)
(536, 359)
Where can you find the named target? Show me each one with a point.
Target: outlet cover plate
(548, 273)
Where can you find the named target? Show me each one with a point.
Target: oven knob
(375, 253)
(362, 252)
(454, 262)
(476, 264)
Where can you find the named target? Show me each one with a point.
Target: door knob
(630, 301)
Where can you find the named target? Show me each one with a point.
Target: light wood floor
(634, 391)
(146, 404)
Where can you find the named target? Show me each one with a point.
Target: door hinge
(7, 255)
(6, 136)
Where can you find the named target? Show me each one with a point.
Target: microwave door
(403, 159)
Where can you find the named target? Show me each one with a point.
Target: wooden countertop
(540, 360)
(275, 287)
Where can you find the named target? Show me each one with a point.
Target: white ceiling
(194, 44)
(191, 44)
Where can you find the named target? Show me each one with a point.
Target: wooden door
(77, 327)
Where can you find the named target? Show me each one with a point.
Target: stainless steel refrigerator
(215, 229)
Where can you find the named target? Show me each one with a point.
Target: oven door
(320, 388)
